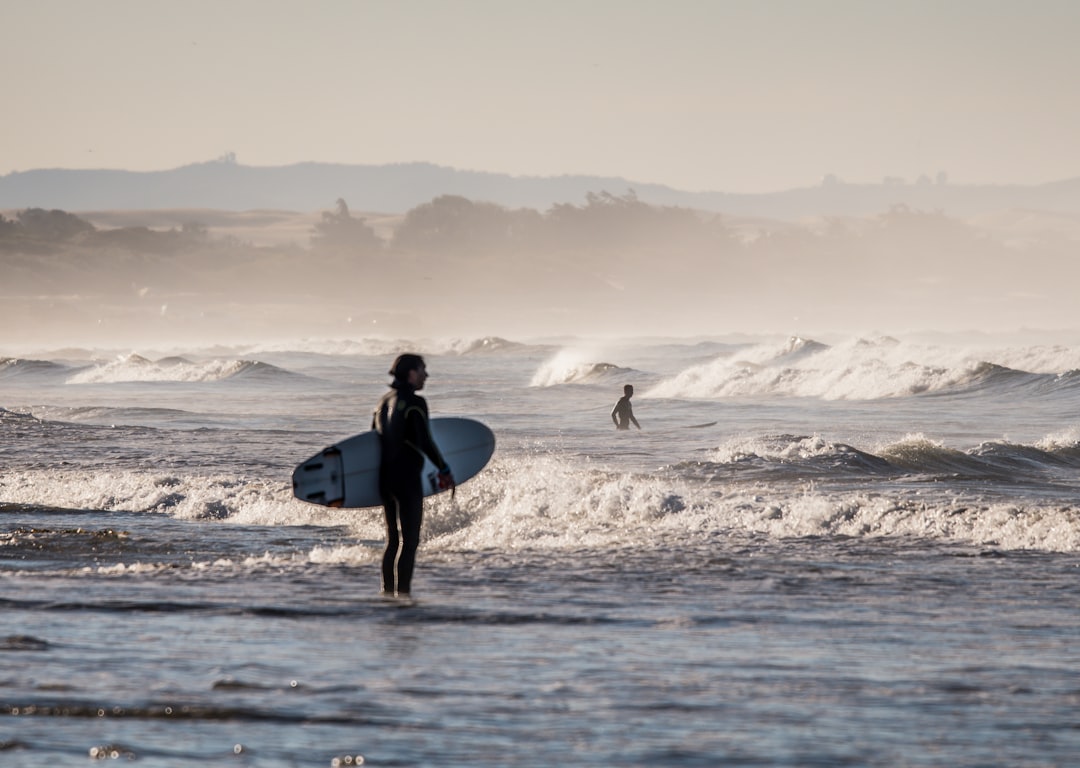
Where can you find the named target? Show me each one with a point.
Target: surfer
(401, 420)
(623, 413)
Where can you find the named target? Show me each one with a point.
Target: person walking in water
(623, 413)
(401, 419)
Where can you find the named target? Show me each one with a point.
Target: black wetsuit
(623, 414)
(402, 423)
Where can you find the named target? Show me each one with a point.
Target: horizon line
(827, 180)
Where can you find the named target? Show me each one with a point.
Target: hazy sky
(730, 95)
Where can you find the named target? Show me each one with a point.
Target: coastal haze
(459, 256)
(688, 169)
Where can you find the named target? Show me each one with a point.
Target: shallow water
(869, 559)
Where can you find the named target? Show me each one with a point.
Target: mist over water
(885, 520)
(611, 267)
(861, 415)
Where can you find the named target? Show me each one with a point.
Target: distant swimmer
(623, 413)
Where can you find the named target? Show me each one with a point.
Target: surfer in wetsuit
(623, 413)
(401, 420)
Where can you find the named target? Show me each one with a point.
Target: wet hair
(405, 363)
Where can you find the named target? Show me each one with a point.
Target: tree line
(452, 225)
(603, 258)
(36, 230)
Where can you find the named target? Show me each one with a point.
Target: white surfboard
(347, 473)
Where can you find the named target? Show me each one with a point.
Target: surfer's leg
(393, 544)
(411, 514)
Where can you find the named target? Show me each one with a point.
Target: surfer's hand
(446, 480)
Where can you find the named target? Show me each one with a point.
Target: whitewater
(816, 552)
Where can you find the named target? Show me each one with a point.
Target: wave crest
(864, 370)
(135, 368)
(570, 366)
(11, 367)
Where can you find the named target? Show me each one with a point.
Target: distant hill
(397, 188)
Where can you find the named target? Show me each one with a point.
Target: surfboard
(346, 474)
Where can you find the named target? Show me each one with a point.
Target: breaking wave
(869, 370)
(135, 368)
(570, 366)
(783, 486)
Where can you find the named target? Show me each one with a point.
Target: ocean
(816, 552)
